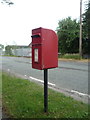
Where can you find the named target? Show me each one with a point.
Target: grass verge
(0, 89)
(71, 56)
(24, 99)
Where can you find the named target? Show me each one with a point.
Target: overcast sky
(17, 21)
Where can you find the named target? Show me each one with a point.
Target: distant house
(21, 50)
(0, 52)
(1, 49)
(30, 45)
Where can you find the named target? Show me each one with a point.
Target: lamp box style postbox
(44, 49)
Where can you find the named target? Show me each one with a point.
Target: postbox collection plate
(36, 54)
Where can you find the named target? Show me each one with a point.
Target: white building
(22, 52)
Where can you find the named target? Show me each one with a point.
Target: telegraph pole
(80, 39)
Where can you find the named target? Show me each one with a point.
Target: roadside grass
(71, 56)
(0, 88)
(24, 99)
(0, 83)
(10, 55)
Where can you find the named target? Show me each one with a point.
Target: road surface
(69, 75)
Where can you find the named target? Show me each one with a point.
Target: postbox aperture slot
(36, 55)
(35, 36)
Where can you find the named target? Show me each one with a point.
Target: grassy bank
(71, 56)
(24, 99)
(0, 89)
(0, 84)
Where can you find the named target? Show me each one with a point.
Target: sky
(18, 20)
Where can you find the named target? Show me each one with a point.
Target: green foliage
(24, 99)
(1, 46)
(8, 2)
(68, 34)
(86, 29)
(8, 50)
(86, 18)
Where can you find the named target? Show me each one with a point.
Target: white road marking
(72, 91)
(41, 81)
(8, 70)
(82, 94)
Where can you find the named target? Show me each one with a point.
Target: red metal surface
(46, 42)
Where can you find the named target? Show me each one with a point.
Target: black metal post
(45, 90)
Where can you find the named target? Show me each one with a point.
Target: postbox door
(37, 57)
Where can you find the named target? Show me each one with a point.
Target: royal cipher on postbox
(44, 49)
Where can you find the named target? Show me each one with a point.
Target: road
(69, 75)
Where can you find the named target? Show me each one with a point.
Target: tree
(68, 34)
(8, 50)
(8, 2)
(86, 29)
(1, 47)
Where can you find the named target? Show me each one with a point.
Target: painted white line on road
(41, 81)
(8, 70)
(82, 94)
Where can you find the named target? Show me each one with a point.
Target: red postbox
(44, 49)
